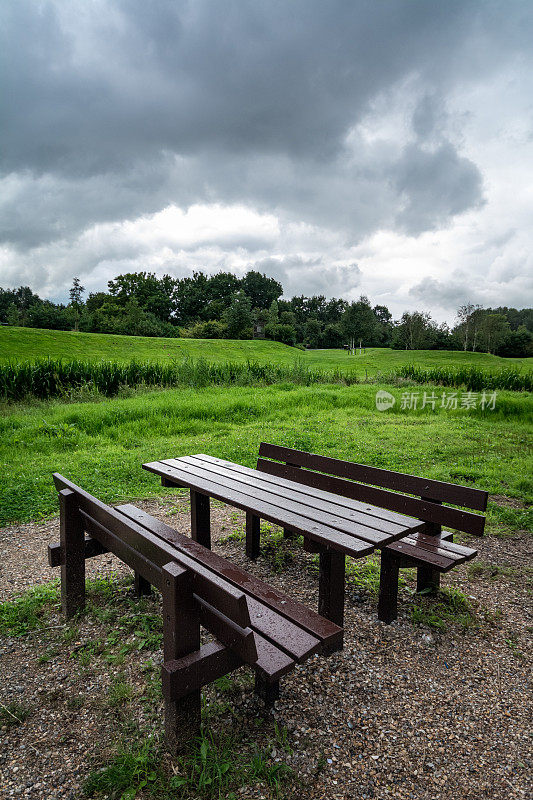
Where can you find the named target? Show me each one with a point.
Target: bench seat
(438, 551)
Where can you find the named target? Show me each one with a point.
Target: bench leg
(200, 518)
(268, 692)
(181, 636)
(331, 587)
(288, 534)
(388, 587)
(142, 586)
(72, 538)
(427, 578)
(253, 546)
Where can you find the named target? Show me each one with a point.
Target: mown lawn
(29, 343)
(101, 445)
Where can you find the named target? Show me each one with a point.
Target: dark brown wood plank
(400, 481)
(284, 605)
(321, 510)
(92, 548)
(254, 650)
(181, 636)
(311, 512)
(145, 552)
(428, 512)
(314, 530)
(442, 562)
(345, 504)
(72, 537)
(182, 676)
(448, 547)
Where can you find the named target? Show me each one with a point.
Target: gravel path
(401, 712)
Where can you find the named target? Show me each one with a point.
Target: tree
(468, 318)
(154, 295)
(415, 331)
(313, 333)
(238, 317)
(518, 344)
(260, 289)
(76, 300)
(494, 329)
(384, 324)
(359, 323)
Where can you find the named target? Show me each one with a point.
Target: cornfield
(471, 378)
(47, 378)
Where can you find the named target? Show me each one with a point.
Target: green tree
(238, 317)
(414, 332)
(359, 323)
(313, 333)
(260, 289)
(76, 300)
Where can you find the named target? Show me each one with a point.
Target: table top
(350, 526)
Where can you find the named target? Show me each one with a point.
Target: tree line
(224, 306)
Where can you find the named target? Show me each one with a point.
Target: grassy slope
(102, 445)
(30, 343)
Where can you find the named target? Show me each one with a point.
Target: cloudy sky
(382, 147)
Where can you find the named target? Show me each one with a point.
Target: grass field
(30, 343)
(102, 444)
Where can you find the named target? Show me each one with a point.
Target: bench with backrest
(431, 549)
(252, 622)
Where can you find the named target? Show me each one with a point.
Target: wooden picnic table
(332, 525)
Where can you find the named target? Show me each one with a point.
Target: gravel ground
(401, 712)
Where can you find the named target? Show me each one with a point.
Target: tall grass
(48, 378)
(471, 378)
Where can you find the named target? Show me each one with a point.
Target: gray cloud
(115, 111)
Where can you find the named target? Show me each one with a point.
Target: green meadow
(20, 344)
(102, 444)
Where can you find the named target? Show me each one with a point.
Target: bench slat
(433, 550)
(430, 542)
(322, 533)
(295, 492)
(327, 514)
(400, 481)
(287, 609)
(429, 512)
(344, 503)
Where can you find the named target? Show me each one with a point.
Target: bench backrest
(147, 554)
(372, 484)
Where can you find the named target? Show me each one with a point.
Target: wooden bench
(430, 549)
(252, 622)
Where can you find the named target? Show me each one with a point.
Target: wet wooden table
(333, 526)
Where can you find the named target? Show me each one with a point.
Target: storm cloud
(298, 138)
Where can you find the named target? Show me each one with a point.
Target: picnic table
(332, 525)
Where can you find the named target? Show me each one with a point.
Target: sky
(377, 147)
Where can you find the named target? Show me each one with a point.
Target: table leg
(253, 547)
(142, 586)
(388, 587)
(200, 518)
(331, 586)
(268, 692)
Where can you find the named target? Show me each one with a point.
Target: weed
(14, 713)
(448, 606)
(119, 692)
(27, 611)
